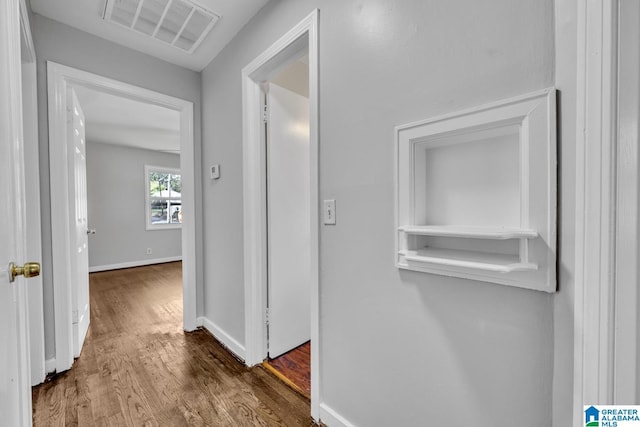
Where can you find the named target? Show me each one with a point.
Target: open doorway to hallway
(126, 211)
(297, 43)
(63, 192)
(286, 97)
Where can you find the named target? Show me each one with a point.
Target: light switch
(330, 212)
(215, 171)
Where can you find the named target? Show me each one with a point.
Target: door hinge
(74, 316)
(266, 316)
(265, 114)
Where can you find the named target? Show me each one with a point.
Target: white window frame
(147, 198)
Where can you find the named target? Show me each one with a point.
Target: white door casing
(59, 77)
(32, 195)
(33, 230)
(291, 46)
(592, 281)
(627, 234)
(288, 219)
(77, 163)
(15, 391)
(606, 332)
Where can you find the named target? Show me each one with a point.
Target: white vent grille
(179, 23)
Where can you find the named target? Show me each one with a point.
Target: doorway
(286, 133)
(60, 78)
(289, 48)
(128, 190)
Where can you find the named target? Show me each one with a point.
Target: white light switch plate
(215, 171)
(329, 212)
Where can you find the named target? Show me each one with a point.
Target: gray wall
(116, 203)
(478, 352)
(65, 45)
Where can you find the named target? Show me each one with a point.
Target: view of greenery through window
(165, 202)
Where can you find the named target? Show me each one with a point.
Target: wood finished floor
(296, 367)
(138, 368)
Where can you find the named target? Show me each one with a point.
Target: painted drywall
(116, 206)
(87, 15)
(112, 119)
(453, 351)
(65, 45)
(295, 77)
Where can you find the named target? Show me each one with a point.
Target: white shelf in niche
(485, 261)
(487, 175)
(471, 232)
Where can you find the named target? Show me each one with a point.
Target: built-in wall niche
(476, 193)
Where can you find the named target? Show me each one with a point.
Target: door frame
(627, 274)
(32, 195)
(303, 36)
(58, 78)
(593, 219)
(596, 201)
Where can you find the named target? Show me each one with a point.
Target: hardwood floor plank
(295, 367)
(138, 368)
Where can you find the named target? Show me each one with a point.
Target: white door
(15, 391)
(76, 151)
(289, 224)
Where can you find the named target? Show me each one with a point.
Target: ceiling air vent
(179, 23)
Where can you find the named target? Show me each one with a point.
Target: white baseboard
(225, 339)
(130, 264)
(331, 418)
(50, 365)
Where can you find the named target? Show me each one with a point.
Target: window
(163, 198)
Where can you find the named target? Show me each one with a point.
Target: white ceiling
(120, 121)
(86, 15)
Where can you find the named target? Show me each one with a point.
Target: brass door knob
(29, 269)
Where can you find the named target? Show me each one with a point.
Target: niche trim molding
(476, 193)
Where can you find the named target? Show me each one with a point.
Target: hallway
(137, 366)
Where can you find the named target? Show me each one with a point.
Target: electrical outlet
(148, 251)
